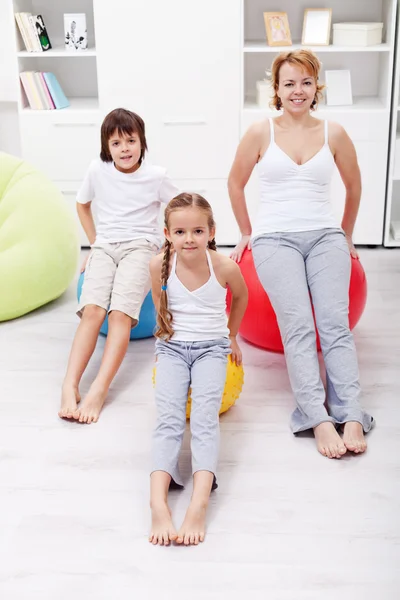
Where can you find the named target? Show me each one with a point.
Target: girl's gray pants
(291, 266)
(181, 365)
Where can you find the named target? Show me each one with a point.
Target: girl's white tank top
(199, 315)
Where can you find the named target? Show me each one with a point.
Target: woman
(299, 249)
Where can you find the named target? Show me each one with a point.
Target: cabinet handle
(75, 124)
(200, 121)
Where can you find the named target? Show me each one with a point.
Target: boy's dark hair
(124, 122)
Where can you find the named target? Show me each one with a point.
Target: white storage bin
(357, 34)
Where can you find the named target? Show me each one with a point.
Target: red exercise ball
(259, 325)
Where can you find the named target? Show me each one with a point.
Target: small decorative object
(357, 34)
(277, 28)
(316, 27)
(338, 88)
(75, 31)
(265, 91)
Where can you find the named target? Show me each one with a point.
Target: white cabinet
(181, 73)
(67, 146)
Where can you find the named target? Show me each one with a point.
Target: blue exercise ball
(147, 318)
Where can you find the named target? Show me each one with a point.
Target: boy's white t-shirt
(126, 206)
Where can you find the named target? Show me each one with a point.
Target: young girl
(189, 284)
(126, 194)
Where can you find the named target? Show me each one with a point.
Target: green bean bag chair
(38, 239)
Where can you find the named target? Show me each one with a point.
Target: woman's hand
(237, 252)
(353, 251)
(236, 355)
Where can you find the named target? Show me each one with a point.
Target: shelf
(360, 104)
(57, 53)
(76, 105)
(261, 46)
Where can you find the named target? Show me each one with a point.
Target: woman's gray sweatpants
(291, 266)
(181, 365)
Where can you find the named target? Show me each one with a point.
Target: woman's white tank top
(294, 197)
(199, 315)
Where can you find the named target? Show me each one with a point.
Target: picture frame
(75, 31)
(277, 29)
(338, 87)
(316, 27)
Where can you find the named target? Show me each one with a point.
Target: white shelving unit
(195, 88)
(392, 216)
(366, 120)
(60, 142)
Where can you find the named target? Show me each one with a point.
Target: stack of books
(33, 32)
(43, 91)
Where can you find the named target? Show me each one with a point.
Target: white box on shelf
(396, 166)
(338, 88)
(395, 230)
(265, 93)
(357, 34)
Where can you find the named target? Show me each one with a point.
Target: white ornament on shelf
(265, 91)
(75, 31)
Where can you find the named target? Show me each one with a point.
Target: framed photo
(75, 31)
(277, 29)
(338, 88)
(317, 27)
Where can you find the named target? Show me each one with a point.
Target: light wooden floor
(285, 523)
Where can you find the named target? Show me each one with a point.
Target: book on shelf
(33, 32)
(43, 91)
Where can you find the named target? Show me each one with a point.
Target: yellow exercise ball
(233, 387)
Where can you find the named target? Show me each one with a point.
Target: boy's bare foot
(193, 527)
(70, 398)
(91, 406)
(162, 529)
(353, 437)
(329, 442)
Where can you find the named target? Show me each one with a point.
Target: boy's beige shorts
(117, 276)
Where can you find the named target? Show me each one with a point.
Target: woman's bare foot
(353, 437)
(162, 529)
(91, 406)
(70, 399)
(193, 527)
(329, 442)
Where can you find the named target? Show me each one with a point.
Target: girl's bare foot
(70, 398)
(329, 442)
(162, 529)
(91, 406)
(353, 437)
(193, 527)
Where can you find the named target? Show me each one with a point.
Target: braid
(212, 245)
(164, 317)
